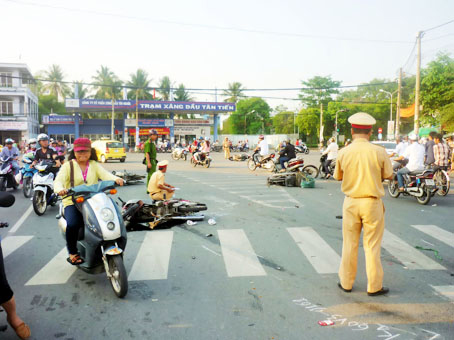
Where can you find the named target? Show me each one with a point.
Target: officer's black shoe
(345, 290)
(382, 291)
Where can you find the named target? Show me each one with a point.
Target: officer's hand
(63, 192)
(148, 165)
(120, 181)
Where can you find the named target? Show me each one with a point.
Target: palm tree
(82, 90)
(164, 88)
(107, 84)
(55, 86)
(140, 85)
(234, 92)
(181, 95)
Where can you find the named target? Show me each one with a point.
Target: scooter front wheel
(39, 203)
(2, 184)
(118, 279)
(251, 165)
(27, 187)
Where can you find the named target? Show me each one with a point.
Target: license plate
(116, 150)
(430, 182)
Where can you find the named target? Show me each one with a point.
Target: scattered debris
(430, 249)
(278, 268)
(339, 217)
(434, 205)
(209, 235)
(154, 300)
(193, 257)
(297, 206)
(211, 221)
(251, 324)
(189, 222)
(326, 323)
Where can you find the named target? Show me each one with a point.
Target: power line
(439, 37)
(224, 28)
(438, 26)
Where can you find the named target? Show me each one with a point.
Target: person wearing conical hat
(362, 167)
(158, 189)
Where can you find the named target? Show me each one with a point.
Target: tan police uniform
(362, 167)
(226, 147)
(158, 178)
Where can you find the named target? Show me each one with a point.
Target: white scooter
(102, 240)
(43, 187)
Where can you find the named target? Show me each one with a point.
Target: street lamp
(390, 109)
(342, 110)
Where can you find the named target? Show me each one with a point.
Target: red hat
(81, 144)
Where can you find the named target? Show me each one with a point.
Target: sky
(209, 44)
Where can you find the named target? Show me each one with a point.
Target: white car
(389, 146)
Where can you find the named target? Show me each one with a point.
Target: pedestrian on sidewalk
(362, 167)
(150, 154)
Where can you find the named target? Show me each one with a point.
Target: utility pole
(321, 123)
(112, 131)
(137, 120)
(399, 94)
(418, 83)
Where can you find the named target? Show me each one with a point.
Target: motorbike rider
(262, 146)
(204, 150)
(429, 158)
(31, 145)
(158, 189)
(13, 152)
(84, 168)
(399, 151)
(287, 153)
(442, 153)
(331, 151)
(415, 155)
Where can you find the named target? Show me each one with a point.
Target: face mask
(284, 144)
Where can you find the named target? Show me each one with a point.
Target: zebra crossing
(153, 258)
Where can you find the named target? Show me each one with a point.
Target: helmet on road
(31, 141)
(42, 136)
(9, 141)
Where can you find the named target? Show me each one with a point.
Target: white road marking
(152, 261)
(11, 243)
(322, 257)
(21, 220)
(239, 256)
(57, 271)
(447, 291)
(409, 256)
(211, 251)
(438, 233)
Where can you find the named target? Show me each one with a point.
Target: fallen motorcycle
(157, 212)
(129, 177)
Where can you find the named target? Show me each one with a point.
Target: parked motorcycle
(157, 212)
(302, 149)
(43, 186)
(264, 163)
(180, 153)
(7, 178)
(419, 184)
(204, 160)
(321, 168)
(27, 173)
(102, 240)
(295, 165)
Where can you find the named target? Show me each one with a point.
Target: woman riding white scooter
(86, 171)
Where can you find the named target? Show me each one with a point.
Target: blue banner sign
(149, 105)
(59, 119)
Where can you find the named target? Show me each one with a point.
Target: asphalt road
(267, 272)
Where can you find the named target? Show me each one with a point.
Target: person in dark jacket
(287, 153)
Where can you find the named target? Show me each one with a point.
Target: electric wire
(438, 26)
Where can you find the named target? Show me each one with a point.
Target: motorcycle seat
(419, 172)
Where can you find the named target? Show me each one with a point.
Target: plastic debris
(339, 217)
(209, 235)
(297, 206)
(211, 221)
(434, 205)
(189, 222)
(154, 300)
(193, 257)
(430, 249)
(326, 323)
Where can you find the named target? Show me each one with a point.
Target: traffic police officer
(362, 167)
(158, 189)
(150, 154)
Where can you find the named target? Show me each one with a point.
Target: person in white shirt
(415, 155)
(399, 152)
(263, 147)
(331, 151)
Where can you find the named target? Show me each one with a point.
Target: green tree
(320, 91)
(164, 88)
(55, 84)
(308, 121)
(437, 92)
(48, 104)
(234, 92)
(283, 122)
(181, 95)
(107, 84)
(252, 116)
(140, 83)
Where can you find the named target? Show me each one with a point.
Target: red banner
(146, 131)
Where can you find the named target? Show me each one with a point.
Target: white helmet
(207, 138)
(42, 136)
(32, 141)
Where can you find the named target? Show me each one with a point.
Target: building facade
(18, 103)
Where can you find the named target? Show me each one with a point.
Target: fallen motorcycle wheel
(118, 279)
(27, 187)
(311, 170)
(39, 202)
(393, 188)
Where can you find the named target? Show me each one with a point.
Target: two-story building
(18, 103)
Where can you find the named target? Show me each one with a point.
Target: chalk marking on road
(211, 251)
(21, 220)
(409, 256)
(57, 271)
(152, 261)
(321, 256)
(11, 243)
(447, 291)
(239, 256)
(436, 232)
